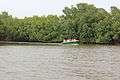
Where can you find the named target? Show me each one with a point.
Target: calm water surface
(60, 62)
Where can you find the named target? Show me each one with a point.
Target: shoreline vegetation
(83, 21)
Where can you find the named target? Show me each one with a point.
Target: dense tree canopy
(83, 21)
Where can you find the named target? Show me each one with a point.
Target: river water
(60, 62)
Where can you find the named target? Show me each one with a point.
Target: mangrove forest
(83, 21)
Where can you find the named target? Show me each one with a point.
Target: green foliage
(83, 21)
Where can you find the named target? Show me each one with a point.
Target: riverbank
(28, 43)
(48, 43)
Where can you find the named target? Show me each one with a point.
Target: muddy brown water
(59, 62)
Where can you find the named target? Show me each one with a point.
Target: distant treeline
(83, 21)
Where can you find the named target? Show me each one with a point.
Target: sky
(22, 8)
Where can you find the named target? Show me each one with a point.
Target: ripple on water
(59, 62)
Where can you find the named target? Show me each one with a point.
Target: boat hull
(72, 43)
